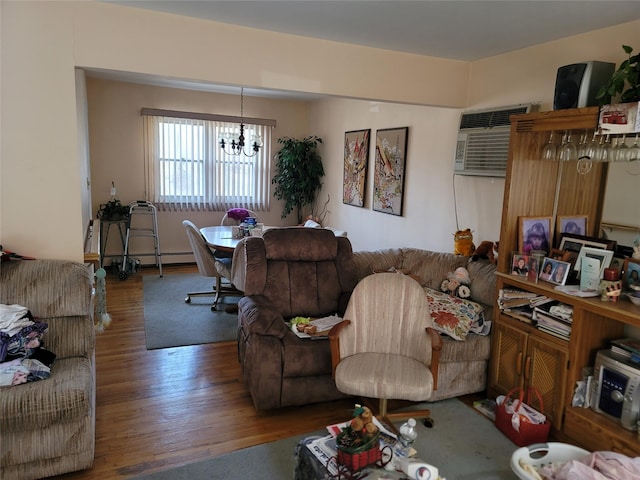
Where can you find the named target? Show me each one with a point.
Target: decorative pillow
(454, 316)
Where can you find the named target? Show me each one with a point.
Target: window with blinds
(188, 170)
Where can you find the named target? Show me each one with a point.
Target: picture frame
(564, 255)
(389, 171)
(631, 274)
(617, 263)
(571, 224)
(356, 161)
(520, 264)
(604, 256)
(534, 234)
(554, 271)
(574, 243)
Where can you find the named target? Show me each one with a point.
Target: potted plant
(298, 173)
(113, 211)
(625, 80)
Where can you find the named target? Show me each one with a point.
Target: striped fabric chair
(385, 347)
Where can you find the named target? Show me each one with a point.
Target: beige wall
(42, 42)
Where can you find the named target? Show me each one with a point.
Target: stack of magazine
(628, 348)
(554, 318)
(520, 304)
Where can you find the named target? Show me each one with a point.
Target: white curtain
(187, 170)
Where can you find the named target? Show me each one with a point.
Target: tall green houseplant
(298, 173)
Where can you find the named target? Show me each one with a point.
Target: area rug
(463, 444)
(170, 322)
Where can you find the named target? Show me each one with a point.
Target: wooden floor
(158, 409)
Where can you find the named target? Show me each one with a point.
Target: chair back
(235, 216)
(300, 271)
(204, 256)
(389, 313)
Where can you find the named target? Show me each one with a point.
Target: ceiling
(465, 30)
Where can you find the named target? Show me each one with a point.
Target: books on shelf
(554, 318)
(627, 347)
(507, 293)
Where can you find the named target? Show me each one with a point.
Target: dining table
(220, 237)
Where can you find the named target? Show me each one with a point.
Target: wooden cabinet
(521, 354)
(527, 359)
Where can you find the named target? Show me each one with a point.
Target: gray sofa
(282, 281)
(48, 426)
(463, 364)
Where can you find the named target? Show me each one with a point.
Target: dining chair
(235, 216)
(385, 347)
(209, 266)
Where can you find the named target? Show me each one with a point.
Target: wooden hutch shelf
(522, 355)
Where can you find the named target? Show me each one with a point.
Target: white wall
(42, 42)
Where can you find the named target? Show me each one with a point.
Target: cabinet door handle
(526, 367)
(519, 363)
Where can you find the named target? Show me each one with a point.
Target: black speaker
(578, 84)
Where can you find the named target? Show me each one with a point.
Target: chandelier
(237, 144)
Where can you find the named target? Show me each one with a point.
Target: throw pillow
(453, 316)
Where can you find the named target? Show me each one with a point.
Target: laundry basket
(541, 454)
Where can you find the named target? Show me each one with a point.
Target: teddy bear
(463, 243)
(457, 283)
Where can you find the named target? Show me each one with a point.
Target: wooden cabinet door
(546, 369)
(508, 349)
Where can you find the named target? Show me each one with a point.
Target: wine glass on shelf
(591, 149)
(621, 149)
(633, 155)
(633, 158)
(549, 151)
(568, 150)
(605, 150)
(583, 145)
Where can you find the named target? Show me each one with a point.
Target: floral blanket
(456, 317)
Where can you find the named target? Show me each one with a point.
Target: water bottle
(408, 433)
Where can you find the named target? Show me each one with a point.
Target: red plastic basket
(529, 433)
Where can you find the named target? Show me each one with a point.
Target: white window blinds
(187, 170)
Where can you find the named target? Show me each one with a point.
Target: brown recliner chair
(293, 271)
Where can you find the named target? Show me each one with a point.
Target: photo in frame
(356, 160)
(571, 224)
(617, 263)
(631, 275)
(389, 171)
(520, 264)
(603, 256)
(534, 234)
(554, 271)
(574, 243)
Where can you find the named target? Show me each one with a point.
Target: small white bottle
(408, 433)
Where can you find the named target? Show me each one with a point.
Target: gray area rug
(170, 322)
(463, 444)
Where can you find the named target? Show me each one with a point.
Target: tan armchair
(385, 347)
(47, 427)
(209, 266)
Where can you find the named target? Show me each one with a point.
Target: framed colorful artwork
(356, 159)
(388, 179)
(534, 234)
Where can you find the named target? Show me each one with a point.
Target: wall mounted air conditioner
(483, 141)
